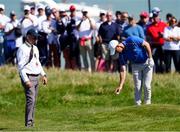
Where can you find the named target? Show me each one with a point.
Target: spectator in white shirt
(28, 21)
(10, 44)
(3, 21)
(48, 27)
(171, 46)
(42, 41)
(86, 27)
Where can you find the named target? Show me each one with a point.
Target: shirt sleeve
(122, 59)
(21, 58)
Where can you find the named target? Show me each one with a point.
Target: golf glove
(150, 62)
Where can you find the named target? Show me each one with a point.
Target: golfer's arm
(122, 76)
(148, 48)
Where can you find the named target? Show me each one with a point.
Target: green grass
(79, 101)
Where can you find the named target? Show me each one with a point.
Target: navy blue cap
(33, 33)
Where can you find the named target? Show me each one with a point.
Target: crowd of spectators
(83, 41)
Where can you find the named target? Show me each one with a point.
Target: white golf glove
(150, 62)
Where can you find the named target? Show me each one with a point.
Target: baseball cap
(12, 13)
(72, 8)
(144, 14)
(156, 9)
(84, 10)
(27, 7)
(2, 6)
(48, 11)
(112, 46)
(40, 6)
(33, 33)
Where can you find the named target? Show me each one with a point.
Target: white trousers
(142, 75)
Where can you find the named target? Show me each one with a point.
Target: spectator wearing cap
(144, 20)
(42, 41)
(10, 36)
(49, 27)
(3, 21)
(3, 18)
(156, 10)
(138, 51)
(71, 49)
(85, 28)
(27, 21)
(30, 69)
(155, 37)
(108, 30)
(33, 13)
(171, 46)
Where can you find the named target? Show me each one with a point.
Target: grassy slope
(82, 101)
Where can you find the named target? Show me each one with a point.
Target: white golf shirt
(9, 26)
(33, 67)
(85, 28)
(173, 45)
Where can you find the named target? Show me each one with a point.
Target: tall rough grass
(81, 101)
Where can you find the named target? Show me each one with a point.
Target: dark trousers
(54, 56)
(169, 55)
(31, 97)
(158, 57)
(42, 47)
(10, 51)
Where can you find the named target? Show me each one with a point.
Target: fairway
(80, 101)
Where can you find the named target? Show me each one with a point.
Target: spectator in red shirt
(155, 38)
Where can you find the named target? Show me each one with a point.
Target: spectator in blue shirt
(138, 52)
(133, 29)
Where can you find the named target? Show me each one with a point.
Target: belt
(34, 75)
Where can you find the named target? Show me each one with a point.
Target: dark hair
(118, 13)
(102, 14)
(169, 15)
(178, 24)
(171, 20)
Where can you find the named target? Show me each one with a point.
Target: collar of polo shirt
(28, 44)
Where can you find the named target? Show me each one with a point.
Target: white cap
(84, 10)
(112, 46)
(2, 6)
(156, 10)
(40, 6)
(62, 10)
(27, 7)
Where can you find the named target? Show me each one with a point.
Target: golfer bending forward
(138, 52)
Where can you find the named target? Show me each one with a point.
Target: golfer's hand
(28, 84)
(118, 90)
(150, 62)
(44, 80)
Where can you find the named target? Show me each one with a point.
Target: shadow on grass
(3, 129)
